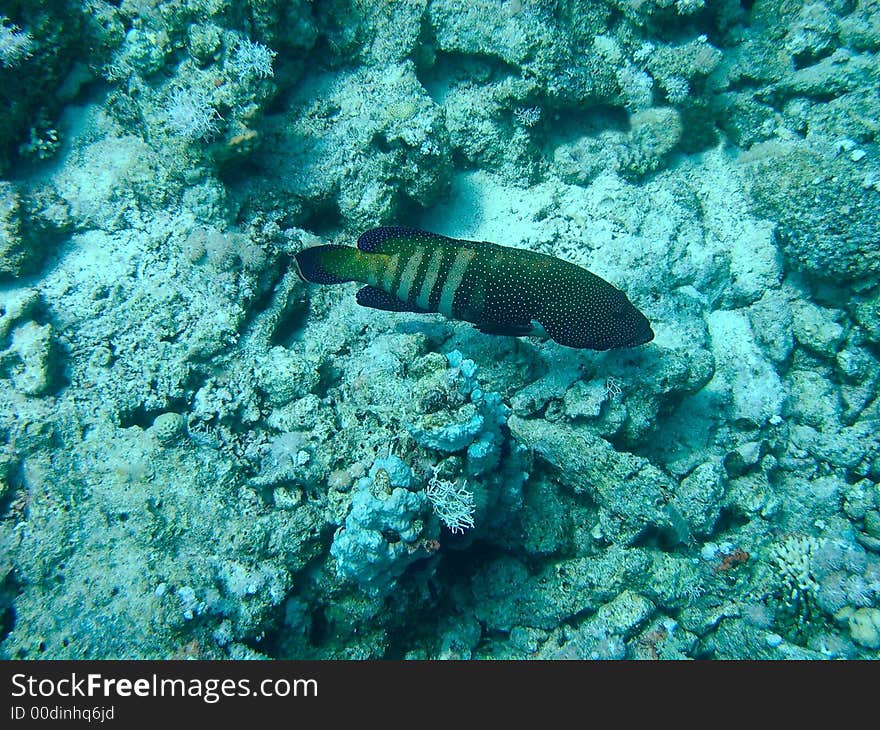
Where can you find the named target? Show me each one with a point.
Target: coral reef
(202, 456)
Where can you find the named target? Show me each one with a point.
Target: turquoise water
(204, 456)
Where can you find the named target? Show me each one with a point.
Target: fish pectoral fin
(537, 330)
(375, 298)
(512, 329)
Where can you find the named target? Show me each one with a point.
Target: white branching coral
(190, 115)
(252, 60)
(794, 557)
(527, 116)
(688, 7)
(453, 504)
(15, 44)
(825, 574)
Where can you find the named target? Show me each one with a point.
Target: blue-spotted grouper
(500, 289)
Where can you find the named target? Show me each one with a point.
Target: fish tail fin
(328, 264)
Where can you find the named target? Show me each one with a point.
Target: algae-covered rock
(747, 384)
(284, 376)
(816, 328)
(384, 532)
(631, 493)
(545, 519)
(363, 142)
(654, 133)
(736, 638)
(537, 42)
(603, 634)
(772, 320)
(562, 589)
(827, 218)
(13, 250)
(864, 627)
(29, 360)
(698, 498)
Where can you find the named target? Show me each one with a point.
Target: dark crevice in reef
(579, 122)
(666, 539)
(328, 376)
(8, 592)
(450, 69)
(144, 417)
(268, 289)
(425, 54)
(291, 323)
(319, 629)
(262, 302)
(806, 59)
(452, 579)
(284, 637)
(730, 519)
(322, 220)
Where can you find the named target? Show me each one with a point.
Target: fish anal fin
(375, 298)
(511, 329)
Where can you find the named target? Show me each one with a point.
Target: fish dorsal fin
(376, 239)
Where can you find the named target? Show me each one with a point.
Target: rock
(864, 627)
(814, 328)
(168, 427)
(630, 491)
(698, 498)
(827, 220)
(872, 523)
(28, 361)
(741, 372)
